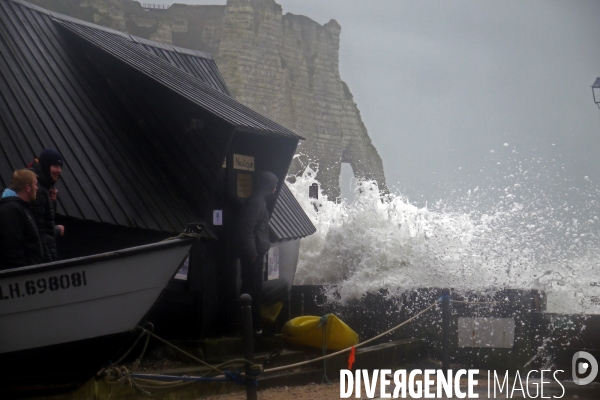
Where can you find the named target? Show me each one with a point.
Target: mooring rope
(215, 369)
(149, 385)
(142, 334)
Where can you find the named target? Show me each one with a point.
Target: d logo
(581, 368)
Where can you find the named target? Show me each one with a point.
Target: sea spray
(523, 231)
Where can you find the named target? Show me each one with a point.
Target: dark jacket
(253, 227)
(43, 210)
(20, 243)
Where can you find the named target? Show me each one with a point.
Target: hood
(265, 183)
(13, 198)
(8, 193)
(43, 174)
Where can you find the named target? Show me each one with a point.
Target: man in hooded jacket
(48, 168)
(20, 243)
(254, 242)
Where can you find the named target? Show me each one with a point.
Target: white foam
(521, 241)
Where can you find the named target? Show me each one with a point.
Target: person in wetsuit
(254, 242)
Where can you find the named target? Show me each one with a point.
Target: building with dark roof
(149, 135)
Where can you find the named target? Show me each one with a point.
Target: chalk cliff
(283, 66)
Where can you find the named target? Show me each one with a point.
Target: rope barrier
(370, 340)
(444, 297)
(349, 348)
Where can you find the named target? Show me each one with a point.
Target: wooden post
(445, 330)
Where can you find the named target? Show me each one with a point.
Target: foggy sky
(442, 84)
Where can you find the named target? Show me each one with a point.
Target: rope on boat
(185, 236)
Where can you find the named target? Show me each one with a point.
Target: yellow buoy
(308, 330)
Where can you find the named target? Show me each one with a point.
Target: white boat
(61, 322)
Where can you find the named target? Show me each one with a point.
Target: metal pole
(248, 340)
(445, 330)
(289, 306)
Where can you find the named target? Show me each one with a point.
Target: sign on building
(245, 163)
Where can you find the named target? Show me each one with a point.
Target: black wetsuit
(254, 242)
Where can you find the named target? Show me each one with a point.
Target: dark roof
(289, 221)
(196, 63)
(48, 100)
(121, 150)
(177, 80)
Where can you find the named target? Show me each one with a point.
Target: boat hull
(57, 317)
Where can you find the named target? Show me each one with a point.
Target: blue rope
(239, 379)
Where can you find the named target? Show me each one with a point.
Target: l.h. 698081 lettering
(16, 290)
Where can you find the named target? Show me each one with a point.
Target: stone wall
(283, 66)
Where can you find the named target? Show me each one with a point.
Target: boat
(61, 322)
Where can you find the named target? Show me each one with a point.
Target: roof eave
(245, 129)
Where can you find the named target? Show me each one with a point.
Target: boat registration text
(42, 285)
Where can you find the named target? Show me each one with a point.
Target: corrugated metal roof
(200, 65)
(175, 79)
(197, 63)
(47, 99)
(289, 221)
(115, 172)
